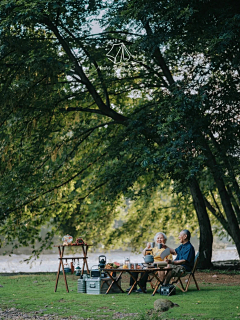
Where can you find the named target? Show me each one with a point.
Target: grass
(35, 293)
(229, 272)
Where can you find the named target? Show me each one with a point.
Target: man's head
(184, 236)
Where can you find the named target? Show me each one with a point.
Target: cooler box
(100, 286)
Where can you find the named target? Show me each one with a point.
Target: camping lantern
(77, 271)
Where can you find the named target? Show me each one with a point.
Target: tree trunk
(206, 237)
(219, 216)
(234, 203)
(225, 198)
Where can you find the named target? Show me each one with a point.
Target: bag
(168, 290)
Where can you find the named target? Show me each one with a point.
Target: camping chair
(190, 275)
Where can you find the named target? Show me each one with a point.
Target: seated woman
(160, 238)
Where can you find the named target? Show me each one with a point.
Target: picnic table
(84, 257)
(152, 271)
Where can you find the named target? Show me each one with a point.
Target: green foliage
(81, 137)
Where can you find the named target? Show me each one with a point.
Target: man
(185, 257)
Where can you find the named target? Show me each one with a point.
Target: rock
(162, 305)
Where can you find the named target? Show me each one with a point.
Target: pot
(148, 258)
(95, 273)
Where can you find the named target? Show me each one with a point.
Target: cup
(152, 244)
(159, 246)
(135, 266)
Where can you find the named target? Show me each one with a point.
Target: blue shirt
(186, 252)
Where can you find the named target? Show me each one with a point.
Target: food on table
(112, 265)
(67, 240)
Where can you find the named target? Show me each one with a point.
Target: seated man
(185, 257)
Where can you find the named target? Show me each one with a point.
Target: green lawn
(36, 293)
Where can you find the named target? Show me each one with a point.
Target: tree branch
(95, 64)
(157, 54)
(79, 70)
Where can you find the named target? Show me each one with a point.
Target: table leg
(157, 284)
(114, 281)
(59, 268)
(61, 252)
(85, 259)
(159, 281)
(138, 281)
(64, 275)
(134, 284)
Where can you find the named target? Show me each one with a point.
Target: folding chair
(190, 275)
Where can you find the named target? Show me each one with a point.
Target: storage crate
(81, 287)
(168, 290)
(100, 285)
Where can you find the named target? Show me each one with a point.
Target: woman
(160, 238)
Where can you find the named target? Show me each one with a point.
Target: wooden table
(61, 258)
(131, 272)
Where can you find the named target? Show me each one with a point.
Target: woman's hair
(157, 234)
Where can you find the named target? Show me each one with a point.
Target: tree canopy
(86, 131)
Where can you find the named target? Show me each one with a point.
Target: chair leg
(195, 282)
(182, 287)
(188, 283)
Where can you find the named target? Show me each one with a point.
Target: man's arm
(172, 251)
(176, 262)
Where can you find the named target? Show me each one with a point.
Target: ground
(216, 277)
(211, 277)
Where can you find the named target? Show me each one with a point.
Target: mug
(159, 246)
(152, 244)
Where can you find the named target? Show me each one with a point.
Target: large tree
(80, 133)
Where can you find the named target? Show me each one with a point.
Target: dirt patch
(218, 278)
(120, 315)
(213, 276)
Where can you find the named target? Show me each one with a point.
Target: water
(49, 262)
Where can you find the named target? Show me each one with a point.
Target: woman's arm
(147, 248)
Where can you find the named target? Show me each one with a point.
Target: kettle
(102, 262)
(148, 258)
(67, 269)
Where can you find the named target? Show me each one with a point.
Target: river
(49, 262)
